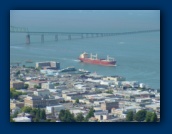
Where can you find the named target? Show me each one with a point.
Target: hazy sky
(86, 20)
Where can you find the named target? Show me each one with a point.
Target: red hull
(98, 61)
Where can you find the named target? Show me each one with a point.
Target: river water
(137, 55)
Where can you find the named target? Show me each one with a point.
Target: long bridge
(70, 35)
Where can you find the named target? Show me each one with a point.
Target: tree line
(37, 113)
(67, 116)
(14, 94)
(142, 115)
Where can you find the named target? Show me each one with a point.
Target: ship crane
(93, 56)
(110, 58)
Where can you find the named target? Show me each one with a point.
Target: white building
(79, 86)
(77, 111)
(22, 119)
(59, 98)
(118, 83)
(93, 81)
(128, 109)
(31, 78)
(47, 85)
(49, 72)
(155, 106)
(42, 92)
(143, 100)
(133, 84)
(48, 65)
(98, 102)
(107, 83)
(16, 109)
(101, 115)
(115, 78)
(54, 109)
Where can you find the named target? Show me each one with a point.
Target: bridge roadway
(80, 34)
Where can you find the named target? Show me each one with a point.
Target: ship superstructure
(93, 59)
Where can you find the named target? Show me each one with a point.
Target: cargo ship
(93, 59)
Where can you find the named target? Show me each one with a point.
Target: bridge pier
(42, 38)
(27, 39)
(82, 36)
(56, 37)
(69, 37)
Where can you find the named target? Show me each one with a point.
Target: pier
(71, 35)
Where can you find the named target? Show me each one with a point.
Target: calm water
(137, 55)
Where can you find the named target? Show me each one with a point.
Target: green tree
(15, 114)
(56, 84)
(27, 70)
(26, 109)
(14, 94)
(17, 73)
(43, 114)
(12, 89)
(21, 79)
(26, 86)
(77, 100)
(53, 120)
(38, 113)
(98, 90)
(148, 116)
(36, 86)
(48, 120)
(11, 119)
(33, 112)
(80, 117)
(36, 120)
(90, 114)
(38, 68)
(130, 116)
(154, 117)
(140, 115)
(69, 117)
(66, 116)
(62, 114)
(109, 91)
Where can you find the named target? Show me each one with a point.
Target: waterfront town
(47, 93)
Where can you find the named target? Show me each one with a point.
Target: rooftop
(47, 62)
